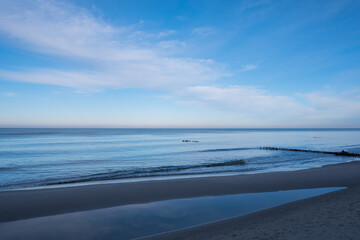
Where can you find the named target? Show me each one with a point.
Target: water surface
(40, 157)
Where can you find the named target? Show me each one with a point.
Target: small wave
(226, 149)
(6, 168)
(223, 164)
(176, 168)
(151, 172)
(57, 164)
(26, 133)
(354, 145)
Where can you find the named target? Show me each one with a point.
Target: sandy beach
(311, 216)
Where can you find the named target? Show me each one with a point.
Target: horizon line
(164, 127)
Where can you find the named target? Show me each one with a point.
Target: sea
(52, 157)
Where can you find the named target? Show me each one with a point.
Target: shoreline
(225, 173)
(24, 204)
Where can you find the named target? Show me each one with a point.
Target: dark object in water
(342, 153)
(190, 141)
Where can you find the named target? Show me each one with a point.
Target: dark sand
(23, 204)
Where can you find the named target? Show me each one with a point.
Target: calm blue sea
(43, 157)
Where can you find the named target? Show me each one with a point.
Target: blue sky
(102, 63)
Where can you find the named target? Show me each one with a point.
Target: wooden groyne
(342, 153)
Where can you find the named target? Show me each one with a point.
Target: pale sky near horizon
(205, 63)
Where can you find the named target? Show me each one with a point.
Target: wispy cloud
(58, 28)
(245, 99)
(253, 103)
(173, 73)
(249, 4)
(248, 68)
(116, 56)
(333, 107)
(204, 31)
(8, 94)
(173, 45)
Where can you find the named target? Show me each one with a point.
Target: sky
(178, 63)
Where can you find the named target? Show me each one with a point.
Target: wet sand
(331, 216)
(24, 204)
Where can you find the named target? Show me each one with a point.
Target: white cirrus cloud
(333, 107)
(174, 73)
(247, 99)
(115, 56)
(8, 94)
(204, 31)
(248, 68)
(255, 104)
